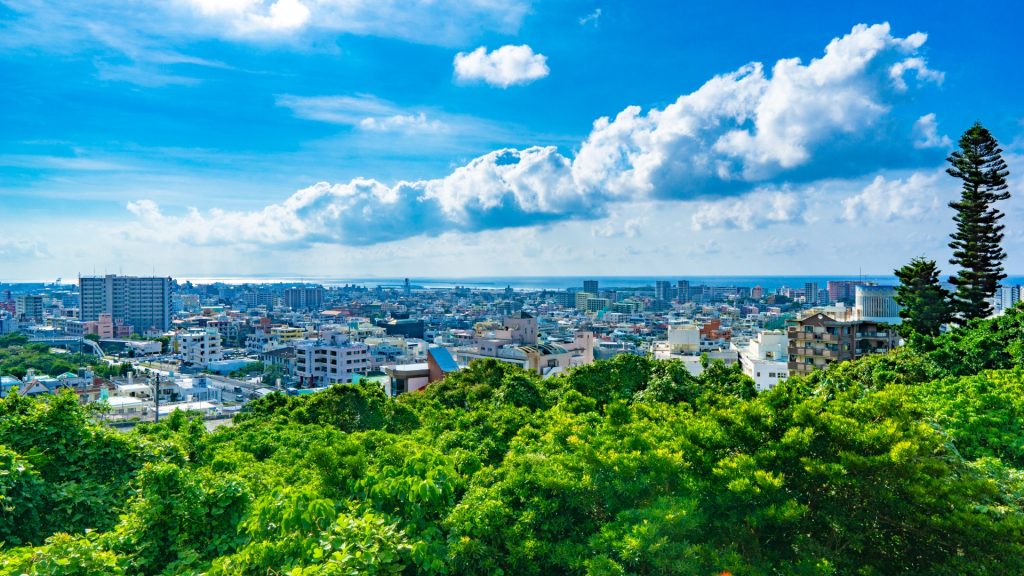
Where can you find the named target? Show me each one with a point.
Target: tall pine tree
(976, 244)
(925, 303)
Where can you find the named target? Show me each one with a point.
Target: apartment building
(144, 303)
(331, 359)
(200, 346)
(820, 338)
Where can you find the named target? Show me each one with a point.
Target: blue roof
(443, 358)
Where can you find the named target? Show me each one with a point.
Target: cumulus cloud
(885, 200)
(927, 131)
(503, 67)
(256, 16)
(755, 210)
(738, 132)
(362, 111)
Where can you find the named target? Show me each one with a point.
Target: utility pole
(156, 416)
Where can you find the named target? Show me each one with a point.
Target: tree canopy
(905, 463)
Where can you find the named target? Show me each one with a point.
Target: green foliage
(977, 241)
(62, 555)
(926, 304)
(907, 463)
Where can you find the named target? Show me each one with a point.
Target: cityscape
(216, 346)
(511, 288)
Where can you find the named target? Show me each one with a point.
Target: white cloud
(745, 126)
(736, 133)
(918, 65)
(20, 249)
(363, 111)
(70, 26)
(755, 210)
(592, 18)
(927, 131)
(504, 67)
(256, 16)
(886, 200)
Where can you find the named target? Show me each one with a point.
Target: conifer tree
(976, 243)
(926, 304)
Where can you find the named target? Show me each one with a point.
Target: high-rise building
(142, 302)
(757, 292)
(29, 308)
(1006, 297)
(304, 298)
(811, 293)
(683, 290)
(877, 304)
(590, 287)
(844, 290)
(581, 299)
(663, 290)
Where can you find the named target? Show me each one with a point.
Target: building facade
(142, 302)
(818, 339)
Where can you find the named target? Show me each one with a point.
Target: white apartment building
(766, 359)
(332, 359)
(200, 346)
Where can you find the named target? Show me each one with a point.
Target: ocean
(769, 283)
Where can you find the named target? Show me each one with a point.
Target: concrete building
(684, 339)
(683, 290)
(1005, 298)
(581, 299)
(200, 346)
(141, 302)
(811, 293)
(8, 323)
(408, 377)
(819, 339)
(766, 359)
(29, 309)
(331, 359)
(663, 290)
(591, 287)
(309, 298)
(103, 326)
(877, 304)
(843, 290)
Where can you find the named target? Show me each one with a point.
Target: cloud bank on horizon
(724, 144)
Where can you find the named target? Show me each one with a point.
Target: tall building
(29, 308)
(757, 292)
(663, 290)
(590, 287)
(1006, 297)
(304, 298)
(877, 304)
(142, 302)
(811, 293)
(683, 290)
(844, 290)
(581, 299)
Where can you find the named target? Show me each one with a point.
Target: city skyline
(293, 138)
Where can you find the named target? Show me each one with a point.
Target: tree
(926, 304)
(976, 241)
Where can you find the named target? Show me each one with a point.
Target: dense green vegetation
(18, 356)
(908, 463)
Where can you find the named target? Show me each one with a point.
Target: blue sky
(464, 138)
